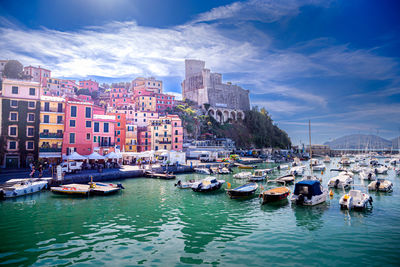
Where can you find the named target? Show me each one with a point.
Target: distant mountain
(396, 142)
(361, 141)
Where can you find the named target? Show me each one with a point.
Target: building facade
(166, 133)
(37, 74)
(89, 84)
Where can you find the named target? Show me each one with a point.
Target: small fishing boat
(355, 199)
(381, 170)
(20, 187)
(286, 179)
(381, 185)
(258, 175)
(374, 162)
(243, 166)
(224, 170)
(85, 190)
(297, 170)
(185, 185)
(309, 193)
(119, 185)
(315, 162)
(165, 176)
(242, 191)
(345, 161)
(367, 174)
(327, 159)
(343, 180)
(208, 184)
(242, 175)
(320, 167)
(274, 194)
(202, 171)
(356, 169)
(283, 167)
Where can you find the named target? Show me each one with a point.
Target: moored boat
(286, 179)
(381, 185)
(185, 185)
(274, 194)
(367, 174)
(258, 175)
(202, 171)
(242, 175)
(20, 187)
(207, 185)
(355, 199)
(343, 180)
(309, 192)
(242, 191)
(165, 176)
(327, 159)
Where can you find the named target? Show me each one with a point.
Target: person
(32, 172)
(40, 171)
(30, 166)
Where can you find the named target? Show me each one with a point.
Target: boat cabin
(308, 188)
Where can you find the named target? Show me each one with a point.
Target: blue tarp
(308, 188)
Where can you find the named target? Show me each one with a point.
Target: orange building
(120, 130)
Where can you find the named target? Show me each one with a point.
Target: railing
(163, 142)
(51, 110)
(106, 144)
(49, 149)
(51, 135)
(58, 122)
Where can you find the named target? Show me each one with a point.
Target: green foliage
(83, 92)
(95, 95)
(13, 69)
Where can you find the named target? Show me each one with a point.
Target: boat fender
(331, 193)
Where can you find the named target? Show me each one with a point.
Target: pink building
(38, 74)
(78, 127)
(119, 97)
(89, 84)
(164, 101)
(177, 132)
(87, 98)
(103, 133)
(69, 87)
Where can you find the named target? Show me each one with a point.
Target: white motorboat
(381, 170)
(283, 167)
(355, 199)
(297, 170)
(343, 180)
(242, 175)
(394, 161)
(259, 175)
(327, 159)
(320, 167)
(315, 162)
(345, 161)
(356, 169)
(367, 174)
(296, 162)
(224, 170)
(363, 163)
(207, 185)
(374, 162)
(286, 179)
(309, 193)
(185, 185)
(381, 185)
(202, 170)
(19, 187)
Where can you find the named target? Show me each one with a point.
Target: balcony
(51, 135)
(163, 142)
(49, 149)
(106, 144)
(52, 123)
(55, 110)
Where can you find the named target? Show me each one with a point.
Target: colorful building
(69, 87)
(20, 109)
(78, 127)
(149, 84)
(120, 130)
(131, 138)
(52, 87)
(165, 102)
(37, 74)
(119, 97)
(146, 103)
(166, 133)
(103, 133)
(143, 139)
(51, 128)
(89, 84)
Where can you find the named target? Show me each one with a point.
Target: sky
(335, 63)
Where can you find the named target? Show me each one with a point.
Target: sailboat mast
(309, 135)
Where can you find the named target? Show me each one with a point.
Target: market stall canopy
(113, 155)
(95, 156)
(75, 156)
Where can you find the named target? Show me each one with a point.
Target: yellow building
(51, 128)
(146, 103)
(161, 131)
(131, 138)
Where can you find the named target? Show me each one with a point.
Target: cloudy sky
(335, 63)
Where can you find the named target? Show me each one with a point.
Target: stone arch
(211, 112)
(240, 115)
(219, 116)
(226, 115)
(233, 115)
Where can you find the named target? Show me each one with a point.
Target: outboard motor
(300, 199)
(120, 186)
(2, 195)
(376, 171)
(199, 186)
(370, 200)
(337, 183)
(178, 183)
(369, 176)
(377, 185)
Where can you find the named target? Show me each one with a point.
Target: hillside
(257, 130)
(396, 142)
(359, 141)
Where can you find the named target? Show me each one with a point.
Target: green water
(153, 223)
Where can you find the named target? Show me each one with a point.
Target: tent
(75, 156)
(95, 156)
(113, 155)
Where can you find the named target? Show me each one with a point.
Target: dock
(84, 190)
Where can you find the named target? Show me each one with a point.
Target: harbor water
(153, 223)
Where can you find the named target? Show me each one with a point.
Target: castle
(227, 101)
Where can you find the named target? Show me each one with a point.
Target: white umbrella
(96, 156)
(75, 156)
(113, 155)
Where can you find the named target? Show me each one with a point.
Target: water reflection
(310, 217)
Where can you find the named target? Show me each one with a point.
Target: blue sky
(333, 62)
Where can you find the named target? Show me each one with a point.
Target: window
(88, 124)
(59, 119)
(32, 91)
(46, 119)
(13, 116)
(165, 147)
(31, 104)
(118, 132)
(12, 145)
(176, 131)
(73, 111)
(119, 124)
(14, 90)
(31, 117)
(14, 103)
(88, 112)
(96, 127)
(29, 145)
(176, 139)
(156, 148)
(71, 123)
(60, 107)
(119, 117)
(46, 131)
(106, 127)
(94, 139)
(46, 106)
(59, 132)
(118, 139)
(88, 136)
(156, 134)
(30, 131)
(12, 130)
(72, 138)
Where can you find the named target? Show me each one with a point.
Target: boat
(283, 167)
(345, 161)
(320, 167)
(86, 190)
(381, 170)
(309, 193)
(397, 171)
(394, 161)
(355, 199)
(208, 184)
(327, 159)
(185, 185)
(242, 175)
(286, 179)
(367, 174)
(258, 175)
(343, 180)
(165, 176)
(356, 169)
(224, 170)
(381, 185)
(315, 162)
(242, 191)
(374, 162)
(119, 185)
(274, 194)
(20, 187)
(202, 171)
(296, 162)
(297, 170)
(242, 166)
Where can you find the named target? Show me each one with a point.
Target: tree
(13, 69)
(95, 95)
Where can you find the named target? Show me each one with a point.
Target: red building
(144, 139)
(164, 102)
(119, 97)
(78, 127)
(103, 133)
(177, 132)
(120, 130)
(89, 84)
